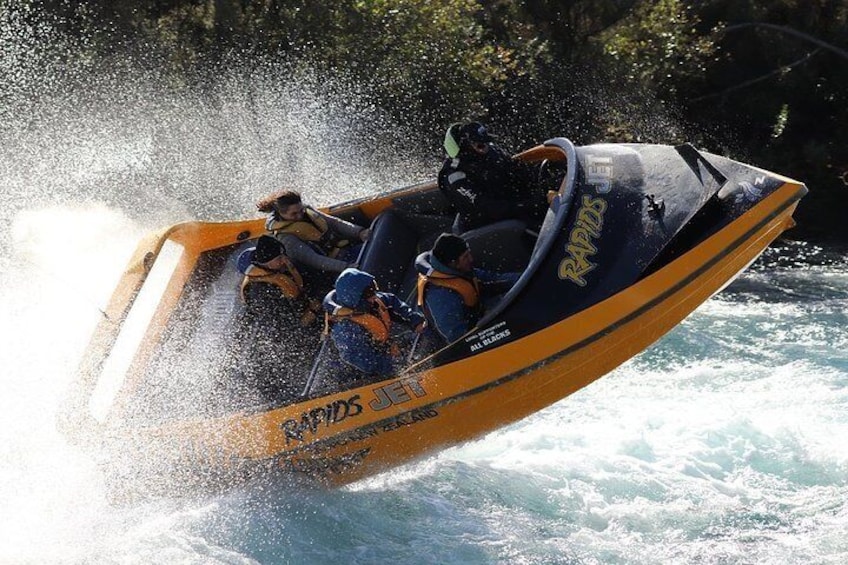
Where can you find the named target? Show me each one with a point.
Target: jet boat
(175, 388)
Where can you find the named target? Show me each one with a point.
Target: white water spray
(88, 164)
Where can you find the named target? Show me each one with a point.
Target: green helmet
(451, 143)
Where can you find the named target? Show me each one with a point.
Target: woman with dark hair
(310, 237)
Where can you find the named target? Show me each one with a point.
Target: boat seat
(390, 252)
(501, 246)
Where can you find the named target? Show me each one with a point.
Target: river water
(723, 443)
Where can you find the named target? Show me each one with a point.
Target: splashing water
(723, 443)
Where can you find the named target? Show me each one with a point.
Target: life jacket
(468, 289)
(290, 284)
(378, 325)
(313, 229)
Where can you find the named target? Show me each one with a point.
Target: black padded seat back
(390, 252)
(501, 246)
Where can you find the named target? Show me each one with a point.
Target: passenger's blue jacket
(445, 308)
(357, 346)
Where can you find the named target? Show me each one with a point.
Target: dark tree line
(764, 81)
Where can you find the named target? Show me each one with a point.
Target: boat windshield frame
(548, 233)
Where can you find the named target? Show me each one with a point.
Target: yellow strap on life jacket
(378, 325)
(289, 283)
(468, 289)
(312, 228)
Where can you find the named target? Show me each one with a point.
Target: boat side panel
(147, 346)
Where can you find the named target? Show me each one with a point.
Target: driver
(483, 182)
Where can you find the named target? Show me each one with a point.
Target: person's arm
(400, 310)
(344, 228)
(496, 283)
(304, 253)
(522, 178)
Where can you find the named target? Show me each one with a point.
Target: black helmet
(459, 135)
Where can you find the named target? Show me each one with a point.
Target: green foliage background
(764, 81)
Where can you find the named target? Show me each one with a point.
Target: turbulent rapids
(721, 443)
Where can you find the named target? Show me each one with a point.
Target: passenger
(312, 238)
(360, 319)
(451, 292)
(276, 336)
(272, 284)
(483, 182)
